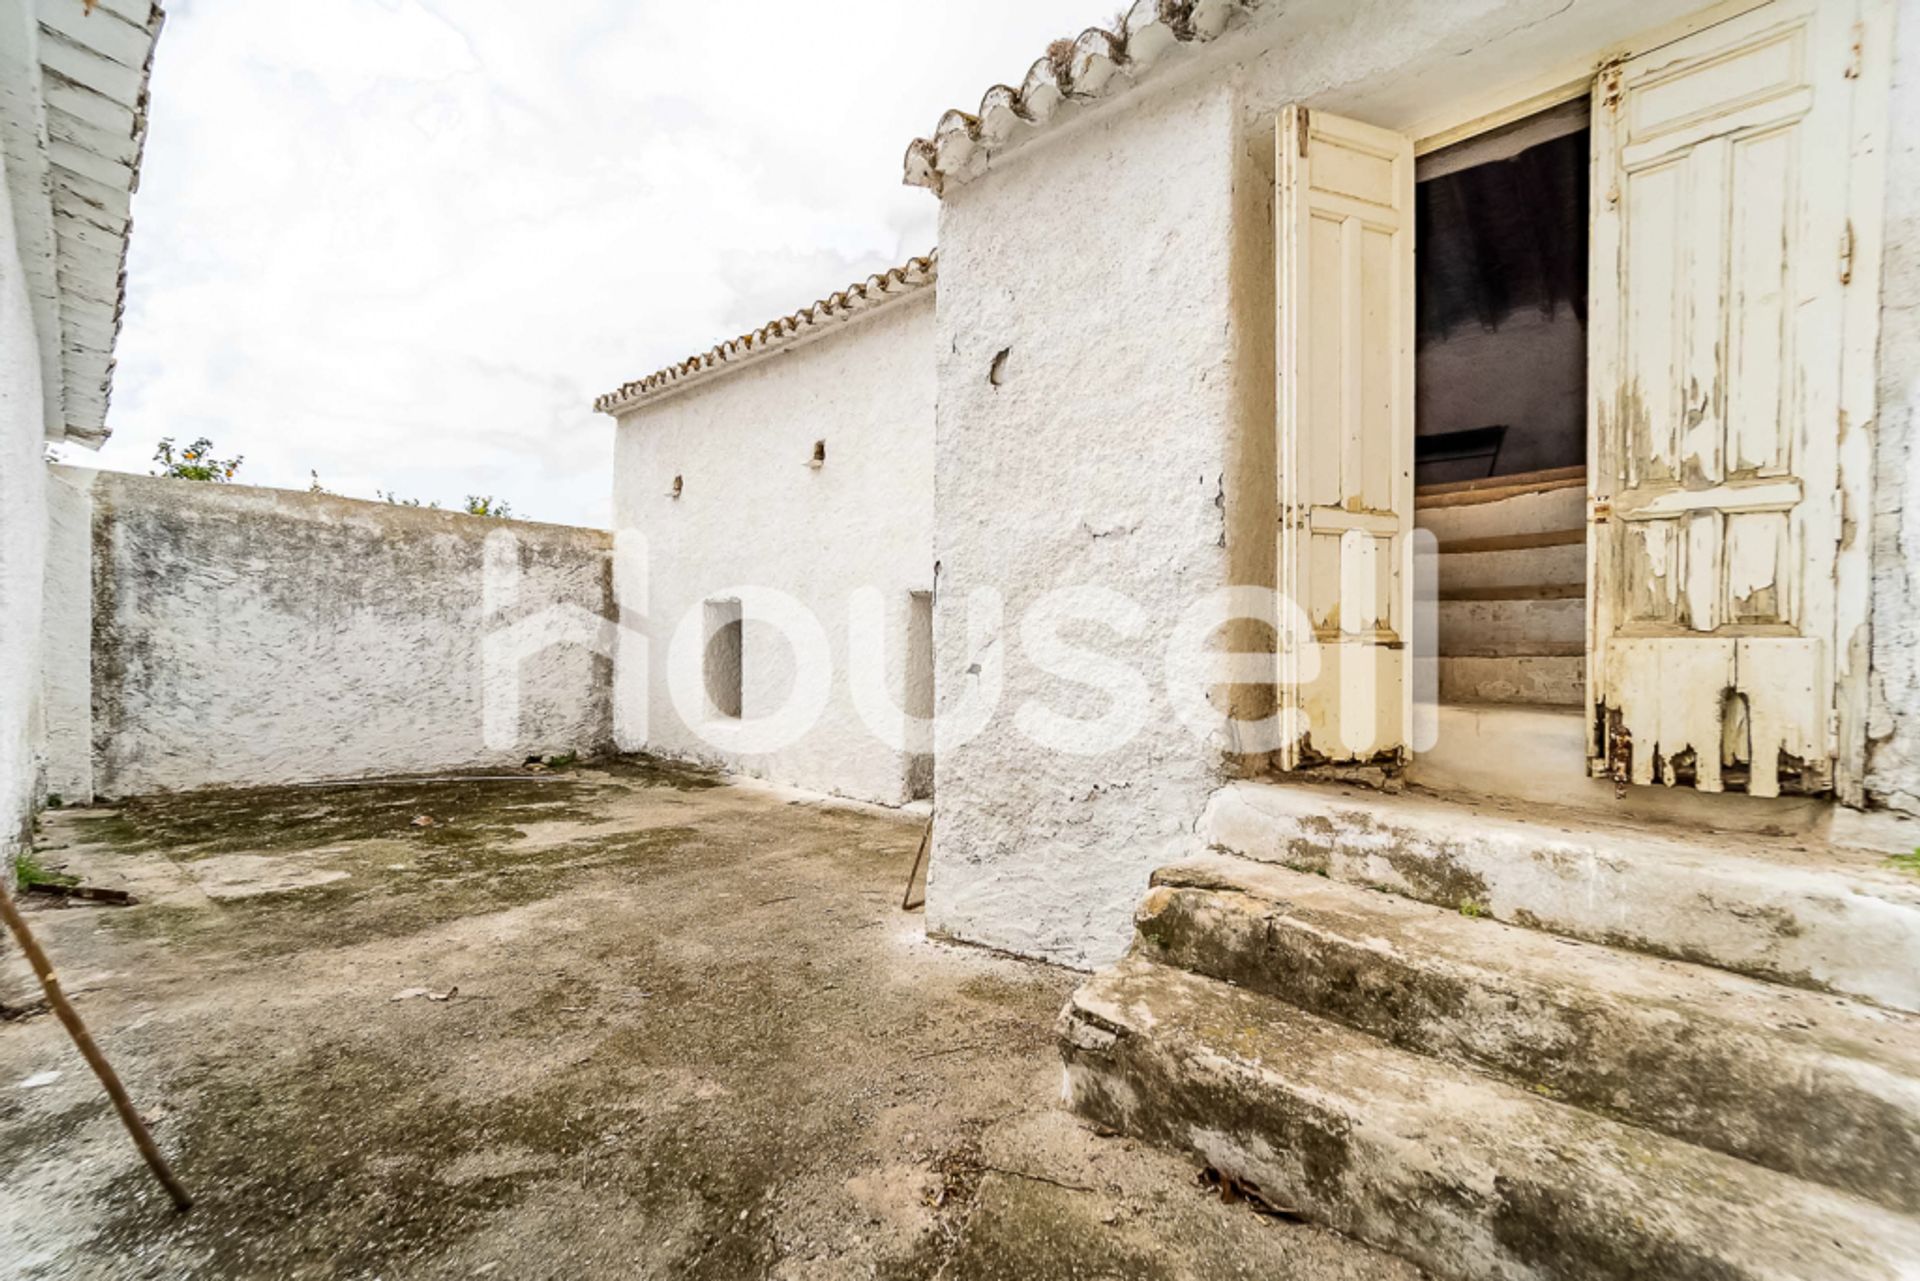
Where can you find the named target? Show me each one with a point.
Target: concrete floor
(690, 1034)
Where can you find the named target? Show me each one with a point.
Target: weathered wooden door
(1345, 366)
(1720, 265)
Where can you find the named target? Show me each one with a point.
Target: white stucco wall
(66, 674)
(255, 636)
(1893, 763)
(1100, 459)
(1124, 260)
(752, 513)
(23, 539)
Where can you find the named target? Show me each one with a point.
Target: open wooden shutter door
(1720, 226)
(1345, 367)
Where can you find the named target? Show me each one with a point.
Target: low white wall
(254, 636)
(23, 539)
(752, 513)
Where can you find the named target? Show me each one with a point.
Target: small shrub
(195, 462)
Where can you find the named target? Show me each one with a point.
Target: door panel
(1345, 365)
(1719, 210)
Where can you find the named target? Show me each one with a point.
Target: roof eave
(1097, 65)
(831, 314)
(75, 126)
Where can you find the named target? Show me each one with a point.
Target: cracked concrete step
(1819, 1087)
(1556, 680)
(1499, 628)
(1796, 912)
(1470, 1178)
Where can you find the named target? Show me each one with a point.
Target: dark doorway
(1500, 408)
(1501, 364)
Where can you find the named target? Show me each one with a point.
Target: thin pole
(70, 1017)
(926, 836)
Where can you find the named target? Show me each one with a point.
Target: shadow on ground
(626, 1021)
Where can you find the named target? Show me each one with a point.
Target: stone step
(1558, 680)
(1465, 1176)
(1792, 911)
(1558, 563)
(1816, 1086)
(1534, 513)
(1509, 628)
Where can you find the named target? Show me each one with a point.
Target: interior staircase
(1508, 1048)
(1512, 585)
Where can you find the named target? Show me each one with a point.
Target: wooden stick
(70, 1017)
(926, 837)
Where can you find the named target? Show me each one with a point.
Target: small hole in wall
(997, 371)
(819, 458)
(678, 483)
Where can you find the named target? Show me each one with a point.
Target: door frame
(1467, 116)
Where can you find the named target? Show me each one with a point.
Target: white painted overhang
(73, 122)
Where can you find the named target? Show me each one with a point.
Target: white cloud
(405, 242)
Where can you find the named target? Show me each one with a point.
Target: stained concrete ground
(687, 1032)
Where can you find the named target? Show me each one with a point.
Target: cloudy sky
(404, 243)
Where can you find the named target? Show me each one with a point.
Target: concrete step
(1532, 513)
(1551, 680)
(1791, 911)
(1816, 1086)
(1557, 563)
(1510, 628)
(1465, 1176)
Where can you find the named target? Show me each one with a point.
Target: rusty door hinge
(1846, 253)
(1601, 512)
(1857, 57)
(1303, 128)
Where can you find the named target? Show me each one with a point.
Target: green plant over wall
(195, 462)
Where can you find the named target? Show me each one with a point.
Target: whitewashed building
(1531, 895)
(73, 102)
(796, 460)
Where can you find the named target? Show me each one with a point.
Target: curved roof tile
(1098, 63)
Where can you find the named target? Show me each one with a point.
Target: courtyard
(625, 1019)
